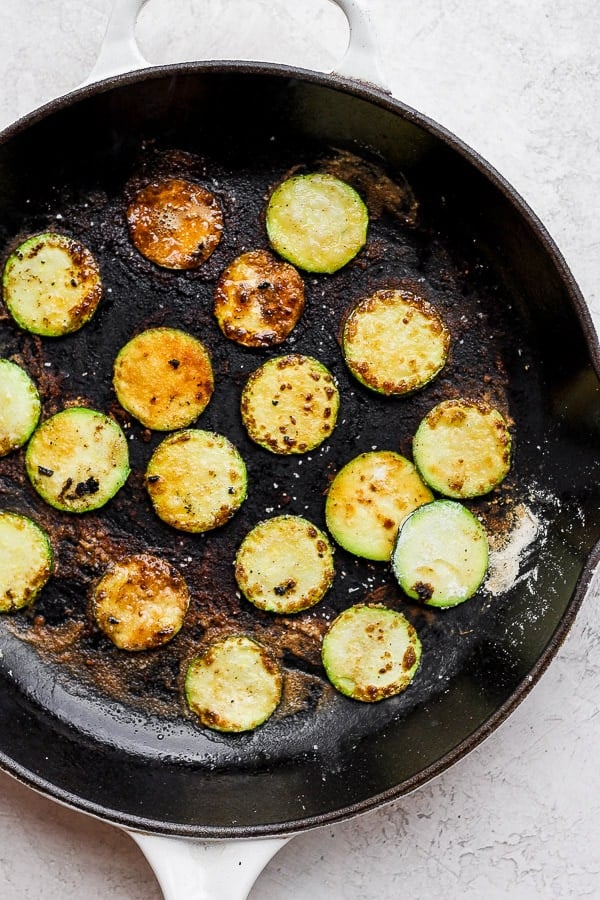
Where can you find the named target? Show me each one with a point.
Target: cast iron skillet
(109, 735)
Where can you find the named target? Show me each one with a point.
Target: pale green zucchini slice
(371, 652)
(235, 685)
(258, 300)
(441, 555)
(290, 404)
(175, 223)
(196, 480)
(462, 448)
(394, 342)
(317, 222)
(164, 378)
(368, 500)
(77, 459)
(140, 602)
(51, 285)
(26, 561)
(284, 565)
(20, 406)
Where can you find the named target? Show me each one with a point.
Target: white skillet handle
(362, 60)
(223, 870)
(196, 870)
(120, 53)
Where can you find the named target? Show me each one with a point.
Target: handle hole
(312, 34)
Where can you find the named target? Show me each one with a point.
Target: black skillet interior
(108, 732)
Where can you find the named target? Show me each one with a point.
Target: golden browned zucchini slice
(368, 500)
(290, 404)
(51, 285)
(196, 480)
(394, 342)
(259, 299)
(284, 565)
(371, 652)
(140, 602)
(164, 378)
(26, 561)
(77, 459)
(20, 406)
(317, 222)
(234, 686)
(175, 223)
(462, 448)
(441, 555)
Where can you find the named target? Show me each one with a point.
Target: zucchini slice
(284, 565)
(462, 448)
(140, 602)
(175, 223)
(371, 652)
(196, 480)
(20, 406)
(441, 555)
(290, 404)
(234, 686)
(77, 459)
(368, 500)
(26, 561)
(258, 300)
(164, 378)
(317, 222)
(51, 285)
(394, 342)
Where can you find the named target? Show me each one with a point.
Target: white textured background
(519, 81)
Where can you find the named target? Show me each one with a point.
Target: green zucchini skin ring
(197, 480)
(290, 404)
(51, 285)
(77, 459)
(462, 448)
(441, 554)
(164, 378)
(26, 561)
(20, 406)
(371, 652)
(234, 686)
(317, 222)
(394, 342)
(368, 500)
(284, 565)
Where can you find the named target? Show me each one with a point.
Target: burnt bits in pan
(402, 253)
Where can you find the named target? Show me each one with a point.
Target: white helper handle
(187, 869)
(197, 870)
(120, 52)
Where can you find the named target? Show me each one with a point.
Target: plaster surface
(520, 83)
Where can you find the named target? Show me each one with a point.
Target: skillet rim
(364, 91)
(379, 97)
(296, 826)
